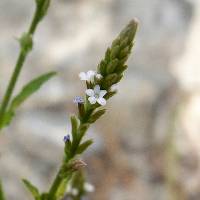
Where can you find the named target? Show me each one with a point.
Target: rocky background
(147, 145)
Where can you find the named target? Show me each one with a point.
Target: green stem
(2, 197)
(54, 187)
(57, 181)
(18, 67)
(11, 85)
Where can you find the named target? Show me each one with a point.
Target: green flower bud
(124, 43)
(117, 55)
(124, 52)
(102, 67)
(112, 66)
(109, 80)
(115, 42)
(121, 69)
(107, 55)
(115, 52)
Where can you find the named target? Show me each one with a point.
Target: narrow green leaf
(75, 142)
(29, 89)
(32, 189)
(79, 135)
(75, 124)
(61, 189)
(2, 197)
(96, 115)
(82, 129)
(84, 146)
(67, 148)
(81, 132)
(7, 118)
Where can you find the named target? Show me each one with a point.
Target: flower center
(96, 95)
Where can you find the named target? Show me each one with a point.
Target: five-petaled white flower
(87, 76)
(96, 95)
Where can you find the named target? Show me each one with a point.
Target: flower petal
(91, 74)
(83, 76)
(101, 101)
(102, 93)
(90, 92)
(92, 100)
(97, 89)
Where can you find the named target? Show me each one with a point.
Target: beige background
(156, 110)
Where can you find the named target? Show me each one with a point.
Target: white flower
(96, 95)
(87, 76)
(88, 187)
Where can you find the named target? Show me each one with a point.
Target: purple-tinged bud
(78, 100)
(66, 138)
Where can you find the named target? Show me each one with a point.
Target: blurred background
(147, 146)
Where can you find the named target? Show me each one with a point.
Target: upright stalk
(55, 185)
(111, 70)
(2, 197)
(26, 46)
(59, 178)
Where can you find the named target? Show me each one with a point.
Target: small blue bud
(66, 138)
(78, 100)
